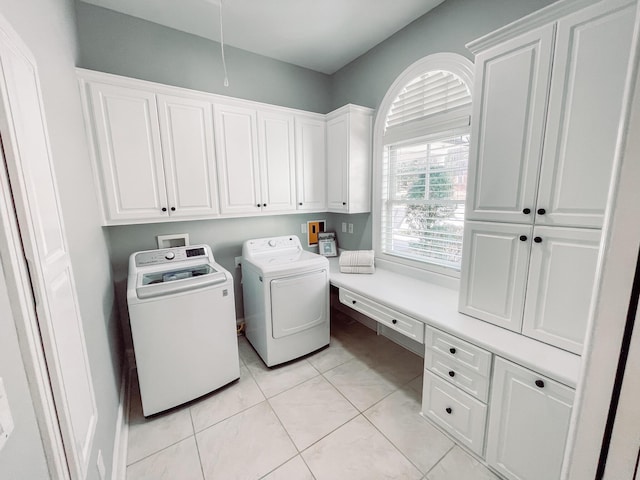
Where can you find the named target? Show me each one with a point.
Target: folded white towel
(357, 261)
(371, 269)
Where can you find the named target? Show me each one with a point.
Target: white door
(277, 162)
(186, 128)
(562, 273)
(125, 125)
(528, 423)
(311, 164)
(337, 163)
(237, 154)
(33, 183)
(494, 272)
(509, 105)
(289, 314)
(585, 105)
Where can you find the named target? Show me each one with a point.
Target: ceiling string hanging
(224, 63)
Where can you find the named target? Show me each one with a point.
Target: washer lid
(179, 279)
(286, 261)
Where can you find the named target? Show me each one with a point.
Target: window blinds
(423, 199)
(429, 94)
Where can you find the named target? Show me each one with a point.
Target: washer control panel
(171, 255)
(271, 244)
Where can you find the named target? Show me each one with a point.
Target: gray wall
(447, 28)
(116, 43)
(48, 29)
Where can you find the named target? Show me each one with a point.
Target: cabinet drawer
(474, 358)
(453, 372)
(395, 320)
(458, 413)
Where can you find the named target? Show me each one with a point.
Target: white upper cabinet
(256, 159)
(528, 423)
(349, 131)
(585, 105)
(127, 139)
(186, 130)
(311, 163)
(277, 161)
(156, 155)
(238, 164)
(509, 105)
(561, 277)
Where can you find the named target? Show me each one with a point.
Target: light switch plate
(6, 420)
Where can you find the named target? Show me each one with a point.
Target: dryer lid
(286, 261)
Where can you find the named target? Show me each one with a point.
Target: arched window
(421, 152)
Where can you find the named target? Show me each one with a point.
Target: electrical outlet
(238, 261)
(351, 228)
(102, 471)
(344, 227)
(303, 228)
(6, 420)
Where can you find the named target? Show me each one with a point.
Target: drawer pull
(448, 410)
(539, 384)
(353, 301)
(394, 321)
(452, 350)
(452, 373)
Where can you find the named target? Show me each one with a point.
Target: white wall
(49, 31)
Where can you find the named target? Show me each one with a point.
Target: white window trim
(452, 62)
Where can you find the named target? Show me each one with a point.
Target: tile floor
(350, 411)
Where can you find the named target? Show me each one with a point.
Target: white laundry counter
(437, 306)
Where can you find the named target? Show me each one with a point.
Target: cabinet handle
(173, 209)
(258, 205)
(539, 384)
(448, 410)
(526, 211)
(344, 203)
(164, 209)
(523, 238)
(300, 204)
(537, 239)
(353, 301)
(264, 204)
(452, 373)
(541, 211)
(452, 350)
(394, 321)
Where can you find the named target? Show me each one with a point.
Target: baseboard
(121, 440)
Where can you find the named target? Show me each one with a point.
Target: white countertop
(437, 306)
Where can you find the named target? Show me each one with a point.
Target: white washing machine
(183, 322)
(286, 298)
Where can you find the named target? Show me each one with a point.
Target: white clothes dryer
(286, 298)
(183, 323)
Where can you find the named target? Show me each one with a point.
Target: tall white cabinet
(547, 107)
(349, 131)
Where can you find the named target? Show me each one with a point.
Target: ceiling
(323, 35)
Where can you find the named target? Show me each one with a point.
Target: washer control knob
(170, 255)
(272, 243)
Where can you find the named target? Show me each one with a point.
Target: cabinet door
(585, 106)
(337, 163)
(528, 423)
(509, 104)
(311, 164)
(186, 127)
(561, 277)
(237, 154)
(277, 162)
(129, 154)
(494, 271)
